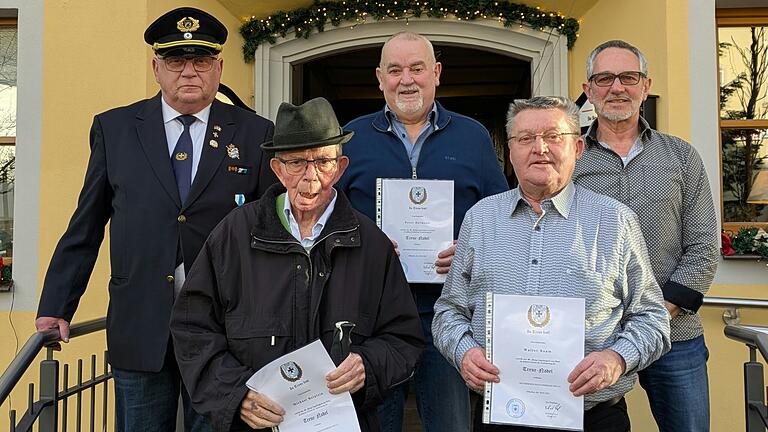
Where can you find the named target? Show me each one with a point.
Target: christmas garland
(304, 21)
(748, 241)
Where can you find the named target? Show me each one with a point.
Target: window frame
(736, 17)
(10, 140)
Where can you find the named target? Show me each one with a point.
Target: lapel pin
(181, 156)
(239, 199)
(215, 134)
(217, 128)
(213, 143)
(233, 152)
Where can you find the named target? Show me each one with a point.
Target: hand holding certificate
(297, 383)
(535, 342)
(418, 215)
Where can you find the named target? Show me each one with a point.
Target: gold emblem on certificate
(538, 315)
(418, 195)
(290, 371)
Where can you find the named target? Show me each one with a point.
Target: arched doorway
(545, 52)
(279, 68)
(536, 59)
(474, 82)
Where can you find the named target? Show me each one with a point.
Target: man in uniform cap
(163, 171)
(283, 271)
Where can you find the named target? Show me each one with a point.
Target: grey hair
(284, 152)
(616, 43)
(565, 105)
(409, 36)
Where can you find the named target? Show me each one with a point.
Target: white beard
(615, 116)
(410, 107)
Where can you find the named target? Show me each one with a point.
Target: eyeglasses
(549, 137)
(178, 63)
(627, 78)
(298, 166)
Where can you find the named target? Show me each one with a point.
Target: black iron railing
(756, 339)
(50, 408)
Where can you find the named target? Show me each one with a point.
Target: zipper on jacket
(403, 381)
(392, 132)
(307, 254)
(309, 260)
(320, 240)
(311, 276)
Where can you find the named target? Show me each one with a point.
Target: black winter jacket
(253, 281)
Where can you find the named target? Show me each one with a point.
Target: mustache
(408, 88)
(617, 97)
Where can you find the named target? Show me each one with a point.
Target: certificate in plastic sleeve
(296, 382)
(535, 342)
(418, 215)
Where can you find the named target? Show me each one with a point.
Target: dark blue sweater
(459, 149)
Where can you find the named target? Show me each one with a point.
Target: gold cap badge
(188, 24)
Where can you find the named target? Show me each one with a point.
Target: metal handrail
(34, 345)
(735, 302)
(756, 339)
(750, 337)
(731, 314)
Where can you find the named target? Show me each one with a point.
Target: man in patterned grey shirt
(549, 237)
(661, 178)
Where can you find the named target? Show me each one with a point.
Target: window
(743, 74)
(8, 57)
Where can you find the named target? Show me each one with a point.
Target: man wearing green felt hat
(281, 272)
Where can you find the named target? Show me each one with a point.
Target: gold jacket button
(170, 278)
(181, 219)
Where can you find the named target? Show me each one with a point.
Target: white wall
(28, 137)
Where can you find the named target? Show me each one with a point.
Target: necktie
(182, 158)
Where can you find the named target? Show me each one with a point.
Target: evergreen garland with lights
(750, 241)
(304, 21)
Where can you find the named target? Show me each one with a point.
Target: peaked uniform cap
(186, 31)
(309, 125)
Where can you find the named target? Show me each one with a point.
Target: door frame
(546, 51)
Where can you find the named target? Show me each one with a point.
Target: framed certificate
(418, 215)
(535, 342)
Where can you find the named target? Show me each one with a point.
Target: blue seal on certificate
(515, 408)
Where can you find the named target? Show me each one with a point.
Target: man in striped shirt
(662, 179)
(549, 237)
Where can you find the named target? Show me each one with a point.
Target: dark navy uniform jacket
(130, 183)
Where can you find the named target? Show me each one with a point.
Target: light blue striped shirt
(583, 245)
(412, 148)
(174, 128)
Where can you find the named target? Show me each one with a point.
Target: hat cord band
(158, 46)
